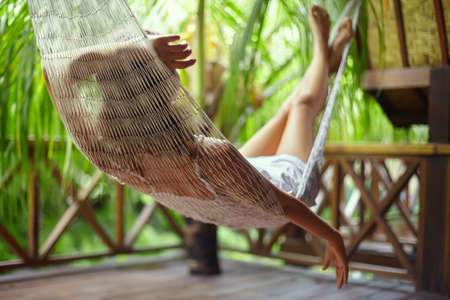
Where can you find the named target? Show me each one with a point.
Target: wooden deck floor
(170, 280)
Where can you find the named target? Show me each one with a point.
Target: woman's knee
(304, 99)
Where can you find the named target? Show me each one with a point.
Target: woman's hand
(335, 254)
(172, 55)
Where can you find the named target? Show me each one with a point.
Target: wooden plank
(168, 280)
(382, 270)
(404, 118)
(406, 217)
(383, 150)
(247, 236)
(387, 181)
(172, 222)
(433, 252)
(33, 210)
(87, 211)
(12, 243)
(336, 194)
(375, 191)
(143, 218)
(401, 32)
(439, 106)
(60, 227)
(326, 198)
(275, 236)
(433, 239)
(375, 185)
(201, 246)
(421, 222)
(362, 207)
(260, 241)
(69, 215)
(440, 22)
(8, 176)
(63, 259)
(120, 190)
(310, 260)
(69, 190)
(370, 202)
(446, 258)
(382, 208)
(325, 167)
(58, 271)
(95, 179)
(397, 78)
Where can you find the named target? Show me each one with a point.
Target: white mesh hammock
(131, 117)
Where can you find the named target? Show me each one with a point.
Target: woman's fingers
(339, 260)
(326, 259)
(326, 263)
(344, 265)
(339, 278)
(182, 64)
(165, 39)
(148, 32)
(178, 47)
(346, 274)
(178, 55)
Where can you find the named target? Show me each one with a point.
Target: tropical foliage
(251, 55)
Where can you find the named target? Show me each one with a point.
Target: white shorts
(285, 171)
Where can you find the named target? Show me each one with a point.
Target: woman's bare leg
(298, 135)
(266, 141)
(298, 138)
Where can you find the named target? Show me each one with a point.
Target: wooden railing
(78, 205)
(374, 194)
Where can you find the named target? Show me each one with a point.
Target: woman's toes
(346, 27)
(319, 19)
(315, 10)
(344, 35)
(318, 12)
(345, 23)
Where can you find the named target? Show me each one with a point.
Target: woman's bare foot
(319, 22)
(311, 99)
(345, 33)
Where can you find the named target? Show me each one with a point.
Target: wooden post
(439, 105)
(33, 210)
(362, 207)
(119, 215)
(434, 258)
(338, 188)
(201, 247)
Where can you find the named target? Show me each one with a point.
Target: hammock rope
(315, 160)
(131, 117)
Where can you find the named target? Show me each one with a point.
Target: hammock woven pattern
(131, 117)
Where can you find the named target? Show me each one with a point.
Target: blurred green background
(251, 54)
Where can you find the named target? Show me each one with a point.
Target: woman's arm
(299, 214)
(222, 153)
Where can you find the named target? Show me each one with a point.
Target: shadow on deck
(169, 279)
